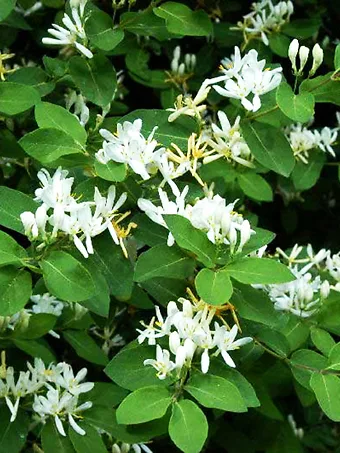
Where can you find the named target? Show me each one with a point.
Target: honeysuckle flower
(333, 266)
(46, 303)
(299, 432)
(292, 53)
(317, 53)
(265, 19)
(80, 109)
(187, 105)
(155, 213)
(72, 383)
(325, 139)
(187, 66)
(129, 146)
(227, 141)
(60, 406)
(224, 340)
(72, 31)
(126, 448)
(303, 55)
(245, 77)
(162, 364)
(56, 189)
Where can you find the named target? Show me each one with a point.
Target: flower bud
(177, 53)
(325, 289)
(290, 7)
(292, 52)
(181, 69)
(303, 54)
(317, 53)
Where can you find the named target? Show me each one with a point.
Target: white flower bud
(174, 65)
(290, 7)
(317, 53)
(292, 53)
(181, 69)
(303, 54)
(325, 289)
(177, 53)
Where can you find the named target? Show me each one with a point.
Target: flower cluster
(246, 76)
(210, 214)
(73, 30)
(294, 49)
(303, 296)
(178, 68)
(62, 389)
(126, 448)
(265, 19)
(227, 141)
(190, 333)
(41, 304)
(129, 146)
(303, 140)
(77, 102)
(60, 213)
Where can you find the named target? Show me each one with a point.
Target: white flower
(333, 266)
(155, 213)
(303, 55)
(225, 341)
(162, 364)
(71, 383)
(60, 405)
(325, 139)
(292, 53)
(80, 109)
(190, 106)
(129, 146)
(55, 190)
(72, 31)
(317, 53)
(46, 303)
(245, 77)
(228, 141)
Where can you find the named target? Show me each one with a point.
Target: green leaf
(302, 28)
(165, 289)
(12, 204)
(36, 348)
(214, 288)
(85, 346)
(327, 391)
(188, 427)
(34, 77)
(279, 44)
(10, 251)
(334, 358)
(66, 278)
(54, 116)
(328, 317)
(112, 171)
(96, 78)
(99, 303)
(7, 7)
(100, 31)
(48, 144)
(322, 340)
(16, 98)
(254, 305)
(15, 290)
(255, 186)
(274, 340)
(118, 271)
(305, 176)
(127, 369)
(298, 107)
(324, 88)
(181, 20)
(259, 271)
(144, 23)
(89, 443)
(190, 238)
(149, 232)
(39, 324)
(143, 405)
(256, 241)
(166, 133)
(13, 434)
(260, 139)
(53, 442)
(215, 392)
(337, 58)
(219, 368)
(295, 330)
(303, 363)
(163, 261)
(106, 394)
